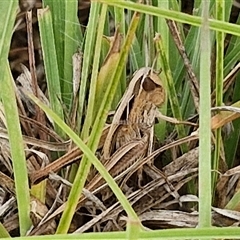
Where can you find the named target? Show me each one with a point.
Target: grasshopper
(129, 137)
(139, 103)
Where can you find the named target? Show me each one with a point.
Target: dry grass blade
(228, 114)
(53, 146)
(70, 157)
(194, 83)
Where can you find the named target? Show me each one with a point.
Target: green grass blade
(233, 204)
(3, 232)
(6, 28)
(205, 124)
(58, 20)
(174, 15)
(71, 44)
(11, 113)
(220, 14)
(197, 233)
(163, 234)
(231, 140)
(17, 149)
(172, 95)
(136, 58)
(93, 83)
(50, 61)
(93, 159)
(160, 128)
(67, 38)
(148, 44)
(88, 56)
(232, 54)
(230, 60)
(133, 229)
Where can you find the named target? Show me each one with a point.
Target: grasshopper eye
(149, 85)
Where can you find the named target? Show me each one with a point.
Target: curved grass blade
(3, 232)
(92, 158)
(7, 95)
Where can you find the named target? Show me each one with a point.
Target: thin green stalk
(136, 58)
(197, 233)
(163, 234)
(175, 15)
(92, 92)
(17, 149)
(90, 40)
(220, 14)
(6, 27)
(205, 124)
(160, 128)
(71, 44)
(119, 15)
(148, 44)
(133, 229)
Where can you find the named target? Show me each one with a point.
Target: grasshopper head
(152, 84)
